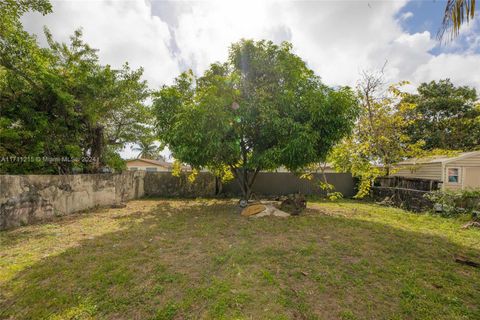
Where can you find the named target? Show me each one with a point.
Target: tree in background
(445, 116)
(378, 140)
(60, 102)
(262, 109)
(394, 125)
(147, 149)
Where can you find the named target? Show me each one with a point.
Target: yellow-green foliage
(223, 172)
(193, 175)
(379, 139)
(176, 168)
(329, 188)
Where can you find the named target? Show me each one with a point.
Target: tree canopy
(261, 109)
(444, 117)
(61, 109)
(440, 119)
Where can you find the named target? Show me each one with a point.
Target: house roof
(439, 158)
(159, 163)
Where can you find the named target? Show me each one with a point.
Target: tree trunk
(246, 193)
(218, 186)
(245, 179)
(97, 147)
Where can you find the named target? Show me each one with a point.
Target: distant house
(327, 168)
(457, 172)
(149, 165)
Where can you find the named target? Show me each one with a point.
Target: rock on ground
(253, 210)
(271, 211)
(263, 210)
(294, 204)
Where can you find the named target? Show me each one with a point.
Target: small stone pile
(294, 203)
(283, 207)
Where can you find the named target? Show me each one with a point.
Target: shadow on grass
(186, 259)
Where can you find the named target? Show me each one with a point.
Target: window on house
(133, 168)
(453, 175)
(151, 169)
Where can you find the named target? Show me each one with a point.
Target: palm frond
(457, 12)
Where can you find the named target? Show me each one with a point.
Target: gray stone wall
(284, 183)
(164, 184)
(25, 199)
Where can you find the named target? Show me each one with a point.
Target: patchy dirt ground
(199, 259)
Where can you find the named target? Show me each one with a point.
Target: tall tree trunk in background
(97, 147)
(218, 185)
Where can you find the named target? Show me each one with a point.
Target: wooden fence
(408, 193)
(408, 183)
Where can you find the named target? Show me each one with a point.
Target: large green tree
(262, 109)
(445, 116)
(59, 103)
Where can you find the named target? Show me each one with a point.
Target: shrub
(454, 203)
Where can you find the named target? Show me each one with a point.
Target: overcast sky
(337, 39)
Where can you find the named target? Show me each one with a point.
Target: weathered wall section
(284, 183)
(30, 198)
(25, 199)
(164, 184)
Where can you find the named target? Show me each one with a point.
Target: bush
(454, 203)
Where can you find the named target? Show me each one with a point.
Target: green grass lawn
(198, 259)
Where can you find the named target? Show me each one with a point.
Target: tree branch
(250, 183)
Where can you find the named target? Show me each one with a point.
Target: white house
(457, 172)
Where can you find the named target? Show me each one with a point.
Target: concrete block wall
(25, 199)
(164, 184)
(283, 183)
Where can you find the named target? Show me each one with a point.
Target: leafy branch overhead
(457, 12)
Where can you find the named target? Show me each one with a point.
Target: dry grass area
(199, 259)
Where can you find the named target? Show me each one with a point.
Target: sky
(337, 39)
